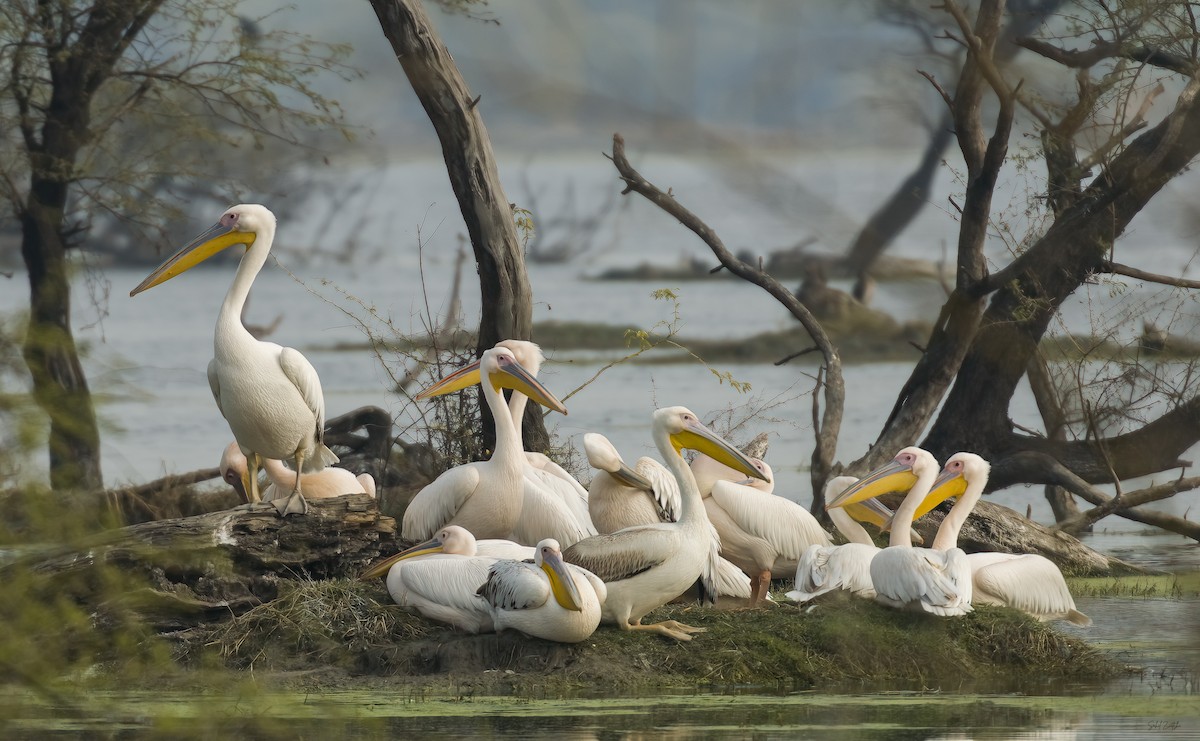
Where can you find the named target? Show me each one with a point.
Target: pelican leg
(759, 586)
(682, 627)
(253, 495)
(295, 504)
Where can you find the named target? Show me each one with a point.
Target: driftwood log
(193, 570)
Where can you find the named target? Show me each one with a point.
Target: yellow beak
(429, 547)
(891, 476)
(698, 437)
(214, 239)
(566, 593)
(511, 376)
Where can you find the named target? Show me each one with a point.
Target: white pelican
(839, 567)
(547, 599)
(763, 534)
(921, 579)
(440, 579)
(645, 566)
(1026, 581)
(329, 482)
(621, 497)
(457, 541)
(270, 395)
(485, 496)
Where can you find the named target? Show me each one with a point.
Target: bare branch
(1102, 50)
(1116, 268)
(1126, 501)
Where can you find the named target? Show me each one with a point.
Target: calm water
(146, 359)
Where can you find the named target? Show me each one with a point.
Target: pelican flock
(921, 579)
(270, 395)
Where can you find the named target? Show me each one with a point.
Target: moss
(350, 628)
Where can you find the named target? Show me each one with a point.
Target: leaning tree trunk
(504, 284)
(192, 570)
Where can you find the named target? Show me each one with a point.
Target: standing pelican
(485, 496)
(329, 482)
(1026, 581)
(844, 567)
(440, 579)
(645, 566)
(270, 395)
(763, 534)
(921, 579)
(621, 497)
(547, 599)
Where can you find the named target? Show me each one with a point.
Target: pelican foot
(663, 629)
(682, 627)
(295, 504)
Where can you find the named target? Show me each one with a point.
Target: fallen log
(182, 572)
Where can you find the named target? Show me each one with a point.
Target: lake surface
(146, 360)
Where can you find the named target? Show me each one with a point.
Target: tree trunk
(59, 385)
(504, 285)
(205, 568)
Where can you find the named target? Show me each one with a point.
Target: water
(146, 360)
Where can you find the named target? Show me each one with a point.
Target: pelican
(440, 579)
(921, 579)
(839, 567)
(270, 395)
(763, 534)
(645, 566)
(329, 482)
(456, 541)
(621, 497)
(1026, 581)
(485, 496)
(547, 599)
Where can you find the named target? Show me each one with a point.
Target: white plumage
(921, 579)
(845, 567)
(270, 395)
(645, 566)
(1027, 581)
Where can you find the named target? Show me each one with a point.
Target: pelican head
(239, 225)
(960, 470)
(898, 474)
(685, 430)
(503, 371)
(234, 469)
(548, 558)
(603, 456)
(452, 539)
(527, 353)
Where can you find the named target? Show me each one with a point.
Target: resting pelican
(547, 599)
(456, 541)
(440, 579)
(763, 534)
(621, 497)
(329, 482)
(645, 566)
(921, 579)
(844, 567)
(1026, 581)
(485, 496)
(270, 395)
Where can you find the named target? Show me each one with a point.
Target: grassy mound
(340, 630)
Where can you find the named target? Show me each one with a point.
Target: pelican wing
(574, 496)
(437, 503)
(214, 383)
(304, 377)
(623, 554)
(827, 568)
(543, 462)
(515, 585)
(922, 578)
(1028, 582)
(787, 526)
(545, 514)
(443, 588)
(666, 488)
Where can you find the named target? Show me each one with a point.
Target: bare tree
(991, 328)
(73, 78)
